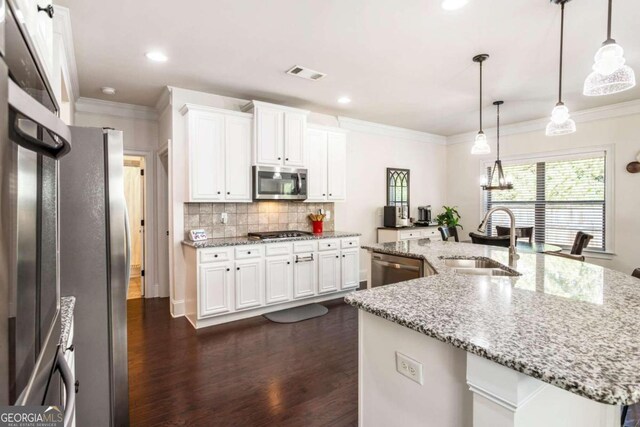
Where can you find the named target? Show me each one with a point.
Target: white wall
(463, 177)
(368, 156)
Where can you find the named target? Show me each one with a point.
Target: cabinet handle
(47, 9)
(71, 347)
(77, 385)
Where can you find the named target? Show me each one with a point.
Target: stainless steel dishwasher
(387, 269)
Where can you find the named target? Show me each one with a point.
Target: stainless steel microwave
(279, 183)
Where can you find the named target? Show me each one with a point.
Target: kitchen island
(554, 344)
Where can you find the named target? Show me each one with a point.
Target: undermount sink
(479, 267)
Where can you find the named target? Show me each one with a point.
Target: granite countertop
(564, 322)
(238, 241)
(67, 304)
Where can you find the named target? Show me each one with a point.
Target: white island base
(458, 389)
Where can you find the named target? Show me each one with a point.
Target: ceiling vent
(306, 73)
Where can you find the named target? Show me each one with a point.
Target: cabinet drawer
(278, 249)
(353, 242)
(328, 245)
(410, 234)
(214, 255)
(244, 252)
(305, 246)
(431, 233)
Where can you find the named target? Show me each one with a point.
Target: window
(558, 196)
(398, 189)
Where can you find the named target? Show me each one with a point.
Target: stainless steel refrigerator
(94, 260)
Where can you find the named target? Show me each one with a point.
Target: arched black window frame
(392, 175)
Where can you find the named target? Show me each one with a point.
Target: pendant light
(561, 122)
(610, 74)
(480, 146)
(497, 172)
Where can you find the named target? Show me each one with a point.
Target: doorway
(134, 193)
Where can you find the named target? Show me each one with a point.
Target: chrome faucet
(513, 255)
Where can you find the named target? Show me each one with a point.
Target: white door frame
(150, 280)
(163, 292)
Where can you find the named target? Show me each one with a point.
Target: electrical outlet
(409, 368)
(224, 218)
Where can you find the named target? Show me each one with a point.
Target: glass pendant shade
(480, 146)
(561, 122)
(610, 74)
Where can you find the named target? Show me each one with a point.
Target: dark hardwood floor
(247, 373)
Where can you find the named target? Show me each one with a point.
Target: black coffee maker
(424, 216)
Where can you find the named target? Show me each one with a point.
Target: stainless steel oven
(279, 183)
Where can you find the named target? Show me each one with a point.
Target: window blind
(558, 197)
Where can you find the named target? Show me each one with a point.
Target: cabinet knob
(279, 158)
(77, 385)
(228, 192)
(288, 262)
(248, 252)
(337, 256)
(215, 256)
(218, 192)
(324, 194)
(47, 9)
(71, 347)
(238, 268)
(331, 194)
(343, 256)
(228, 269)
(287, 159)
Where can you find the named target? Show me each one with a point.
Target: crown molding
(164, 100)
(599, 113)
(118, 109)
(390, 131)
(62, 26)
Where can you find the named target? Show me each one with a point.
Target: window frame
(570, 154)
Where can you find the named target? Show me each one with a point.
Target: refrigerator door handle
(127, 235)
(22, 106)
(69, 388)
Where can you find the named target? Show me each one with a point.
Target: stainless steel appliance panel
(279, 183)
(388, 269)
(93, 269)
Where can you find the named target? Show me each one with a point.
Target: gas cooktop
(275, 235)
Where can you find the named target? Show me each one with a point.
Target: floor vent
(306, 73)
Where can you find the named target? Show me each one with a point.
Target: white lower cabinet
(328, 271)
(279, 275)
(249, 283)
(216, 284)
(246, 280)
(350, 269)
(304, 275)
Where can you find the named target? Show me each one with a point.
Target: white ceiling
(403, 63)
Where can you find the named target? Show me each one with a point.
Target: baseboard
(177, 308)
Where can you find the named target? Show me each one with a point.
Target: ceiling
(403, 63)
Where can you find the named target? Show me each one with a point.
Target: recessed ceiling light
(344, 100)
(453, 4)
(108, 90)
(156, 56)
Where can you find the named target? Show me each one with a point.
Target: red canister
(317, 227)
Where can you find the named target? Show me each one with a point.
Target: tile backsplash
(244, 218)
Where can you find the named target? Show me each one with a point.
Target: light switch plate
(224, 218)
(408, 367)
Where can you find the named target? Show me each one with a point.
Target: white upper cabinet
(237, 158)
(279, 134)
(327, 163)
(295, 127)
(269, 136)
(316, 152)
(337, 166)
(219, 154)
